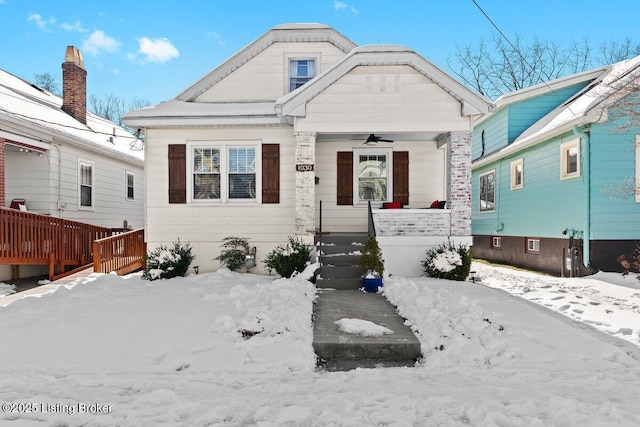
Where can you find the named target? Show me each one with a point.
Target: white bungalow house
(287, 137)
(58, 159)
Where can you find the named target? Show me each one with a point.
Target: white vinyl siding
(264, 77)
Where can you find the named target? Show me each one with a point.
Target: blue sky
(155, 50)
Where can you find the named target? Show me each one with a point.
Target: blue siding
(544, 207)
(523, 115)
(613, 161)
(495, 134)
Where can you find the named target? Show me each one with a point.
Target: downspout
(586, 241)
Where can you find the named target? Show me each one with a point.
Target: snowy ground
(108, 351)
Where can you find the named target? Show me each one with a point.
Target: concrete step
(343, 283)
(345, 239)
(340, 272)
(337, 350)
(341, 260)
(330, 249)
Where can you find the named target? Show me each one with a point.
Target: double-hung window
(487, 191)
(570, 159)
(85, 184)
(224, 172)
(372, 172)
(301, 70)
(130, 183)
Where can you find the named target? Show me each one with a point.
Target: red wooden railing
(28, 238)
(122, 253)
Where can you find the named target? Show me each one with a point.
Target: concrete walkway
(340, 351)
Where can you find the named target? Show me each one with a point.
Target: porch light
(250, 258)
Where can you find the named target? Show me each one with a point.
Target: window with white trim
(487, 191)
(85, 184)
(372, 176)
(517, 174)
(570, 159)
(224, 172)
(496, 242)
(533, 246)
(130, 185)
(300, 69)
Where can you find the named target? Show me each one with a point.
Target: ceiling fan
(374, 139)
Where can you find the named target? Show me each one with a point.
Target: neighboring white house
(256, 146)
(64, 161)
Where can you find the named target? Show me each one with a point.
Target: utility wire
(517, 51)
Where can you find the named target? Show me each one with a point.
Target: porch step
(340, 267)
(339, 351)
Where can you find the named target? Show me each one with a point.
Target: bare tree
(499, 66)
(47, 82)
(112, 107)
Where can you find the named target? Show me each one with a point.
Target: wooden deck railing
(122, 253)
(28, 238)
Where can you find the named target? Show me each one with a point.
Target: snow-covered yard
(108, 350)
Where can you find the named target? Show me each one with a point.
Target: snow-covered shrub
(289, 258)
(234, 256)
(165, 262)
(447, 261)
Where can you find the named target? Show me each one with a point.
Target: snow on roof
(579, 110)
(26, 105)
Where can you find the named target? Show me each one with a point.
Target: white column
(305, 155)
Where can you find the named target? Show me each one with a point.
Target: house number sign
(304, 168)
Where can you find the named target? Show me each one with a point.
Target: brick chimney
(74, 85)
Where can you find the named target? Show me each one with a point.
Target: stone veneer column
(459, 185)
(305, 201)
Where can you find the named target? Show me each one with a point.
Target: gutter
(586, 250)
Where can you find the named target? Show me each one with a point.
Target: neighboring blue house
(555, 173)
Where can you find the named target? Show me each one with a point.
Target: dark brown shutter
(270, 173)
(401, 177)
(345, 178)
(177, 173)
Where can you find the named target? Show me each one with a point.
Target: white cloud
(40, 22)
(217, 38)
(157, 50)
(76, 26)
(99, 42)
(339, 5)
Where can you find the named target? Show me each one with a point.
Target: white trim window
(496, 242)
(533, 246)
(517, 174)
(570, 159)
(86, 193)
(130, 180)
(225, 171)
(487, 191)
(372, 172)
(300, 69)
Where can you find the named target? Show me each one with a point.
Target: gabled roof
(281, 33)
(34, 116)
(583, 109)
(293, 104)
(545, 88)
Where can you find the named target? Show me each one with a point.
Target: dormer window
(301, 70)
